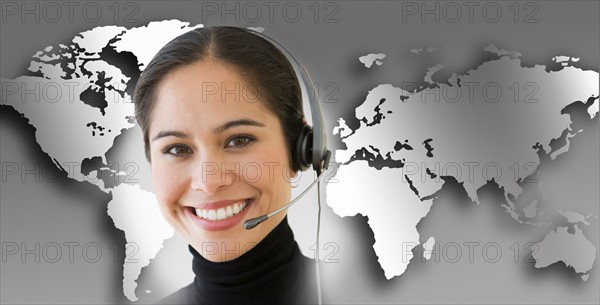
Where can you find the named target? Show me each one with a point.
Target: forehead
(205, 81)
(206, 93)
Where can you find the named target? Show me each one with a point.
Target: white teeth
(222, 213)
(212, 215)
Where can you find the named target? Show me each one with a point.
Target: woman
(220, 109)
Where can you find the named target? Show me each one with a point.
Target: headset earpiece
(304, 148)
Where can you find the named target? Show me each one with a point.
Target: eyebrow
(236, 123)
(170, 133)
(220, 129)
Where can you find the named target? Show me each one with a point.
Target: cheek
(168, 185)
(269, 172)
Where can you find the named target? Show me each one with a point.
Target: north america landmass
(494, 125)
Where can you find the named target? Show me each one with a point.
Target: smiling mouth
(224, 212)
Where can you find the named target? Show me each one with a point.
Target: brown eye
(239, 141)
(177, 150)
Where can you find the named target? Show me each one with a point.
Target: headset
(311, 148)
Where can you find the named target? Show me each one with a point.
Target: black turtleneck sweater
(272, 272)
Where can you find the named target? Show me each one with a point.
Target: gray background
(64, 211)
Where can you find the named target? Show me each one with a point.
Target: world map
(495, 125)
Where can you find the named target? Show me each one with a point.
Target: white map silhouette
(477, 126)
(474, 126)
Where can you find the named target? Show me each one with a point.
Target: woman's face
(218, 158)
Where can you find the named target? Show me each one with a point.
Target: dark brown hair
(256, 60)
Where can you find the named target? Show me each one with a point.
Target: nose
(211, 173)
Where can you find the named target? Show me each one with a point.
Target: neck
(270, 272)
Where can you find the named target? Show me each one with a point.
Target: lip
(217, 225)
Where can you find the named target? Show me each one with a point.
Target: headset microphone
(311, 148)
(253, 222)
